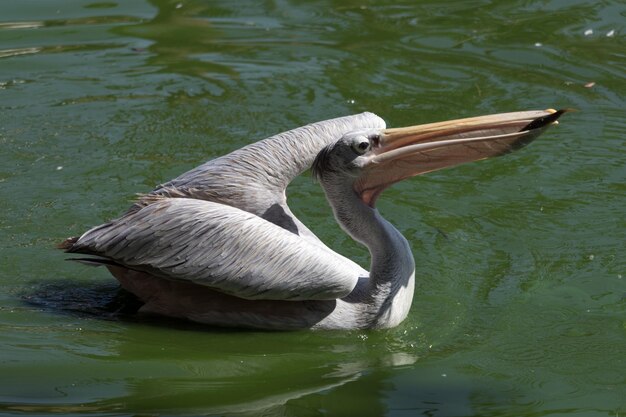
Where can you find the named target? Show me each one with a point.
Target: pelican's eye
(361, 146)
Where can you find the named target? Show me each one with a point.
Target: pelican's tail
(68, 243)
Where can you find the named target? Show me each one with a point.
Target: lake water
(520, 305)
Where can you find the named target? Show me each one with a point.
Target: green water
(521, 281)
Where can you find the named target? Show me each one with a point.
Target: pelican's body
(219, 245)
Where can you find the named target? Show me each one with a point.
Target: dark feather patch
(321, 164)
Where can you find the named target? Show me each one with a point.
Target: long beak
(405, 152)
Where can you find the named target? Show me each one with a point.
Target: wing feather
(254, 178)
(221, 247)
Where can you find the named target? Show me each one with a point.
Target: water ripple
(519, 299)
(7, 53)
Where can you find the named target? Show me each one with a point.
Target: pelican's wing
(221, 247)
(254, 178)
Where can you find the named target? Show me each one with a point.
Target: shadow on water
(107, 301)
(101, 301)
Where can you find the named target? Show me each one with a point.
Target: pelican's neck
(392, 270)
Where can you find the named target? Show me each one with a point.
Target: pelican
(218, 245)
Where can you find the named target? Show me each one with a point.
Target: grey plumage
(219, 245)
(255, 177)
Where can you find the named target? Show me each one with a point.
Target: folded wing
(221, 247)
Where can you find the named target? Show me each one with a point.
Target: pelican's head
(347, 157)
(372, 160)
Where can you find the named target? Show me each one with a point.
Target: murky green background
(520, 302)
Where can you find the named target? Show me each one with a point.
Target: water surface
(520, 298)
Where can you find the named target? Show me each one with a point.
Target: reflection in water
(4, 53)
(21, 25)
(200, 370)
(236, 372)
(178, 36)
